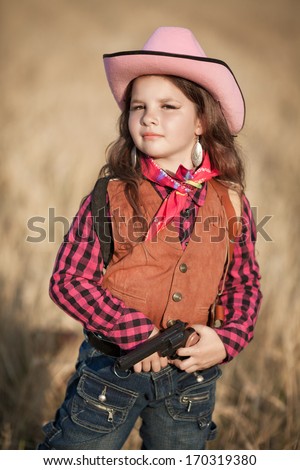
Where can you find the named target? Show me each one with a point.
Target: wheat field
(57, 118)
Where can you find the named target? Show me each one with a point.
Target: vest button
(183, 268)
(177, 296)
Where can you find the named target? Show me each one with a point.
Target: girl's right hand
(153, 363)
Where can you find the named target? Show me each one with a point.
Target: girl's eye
(137, 107)
(169, 106)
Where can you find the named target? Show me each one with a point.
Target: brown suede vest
(158, 277)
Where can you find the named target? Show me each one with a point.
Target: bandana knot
(184, 184)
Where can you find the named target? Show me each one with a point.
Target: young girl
(183, 248)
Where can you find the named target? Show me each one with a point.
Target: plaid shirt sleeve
(241, 297)
(75, 286)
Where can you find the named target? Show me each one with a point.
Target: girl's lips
(150, 136)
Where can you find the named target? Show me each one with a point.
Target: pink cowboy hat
(175, 51)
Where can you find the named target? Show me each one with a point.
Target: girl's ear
(199, 127)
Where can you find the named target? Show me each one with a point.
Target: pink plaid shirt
(75, 284)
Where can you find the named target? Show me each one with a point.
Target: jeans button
(202, 423)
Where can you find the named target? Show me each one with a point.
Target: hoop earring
(197, 153)
(133, 156)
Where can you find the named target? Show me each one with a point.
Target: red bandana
(184, 187)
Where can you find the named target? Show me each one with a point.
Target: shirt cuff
(233, 339)
(131, 329)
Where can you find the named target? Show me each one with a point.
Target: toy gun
(165, 343)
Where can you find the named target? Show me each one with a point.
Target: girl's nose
(149, 117)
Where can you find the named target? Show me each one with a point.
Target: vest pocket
(99, 405)
(199, 315)
(131, 299)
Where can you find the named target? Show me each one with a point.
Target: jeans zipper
(100, 406)
(190, 400)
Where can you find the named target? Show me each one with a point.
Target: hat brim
(212, 74)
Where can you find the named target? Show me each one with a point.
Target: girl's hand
(153, 363)
(208, 352)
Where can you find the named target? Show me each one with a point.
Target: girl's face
(163, 122)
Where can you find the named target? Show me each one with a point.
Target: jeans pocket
(100, 405)
(194, 400)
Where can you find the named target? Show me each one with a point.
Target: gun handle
(192, 339)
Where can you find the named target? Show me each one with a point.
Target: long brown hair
(216, 139)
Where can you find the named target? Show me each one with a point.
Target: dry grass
(57, 117)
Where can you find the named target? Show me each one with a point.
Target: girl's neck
(171, 166)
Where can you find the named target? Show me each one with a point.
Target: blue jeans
(102, 405)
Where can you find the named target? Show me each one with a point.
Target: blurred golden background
(57, 118)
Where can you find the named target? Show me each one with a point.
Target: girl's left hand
(208, 352)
